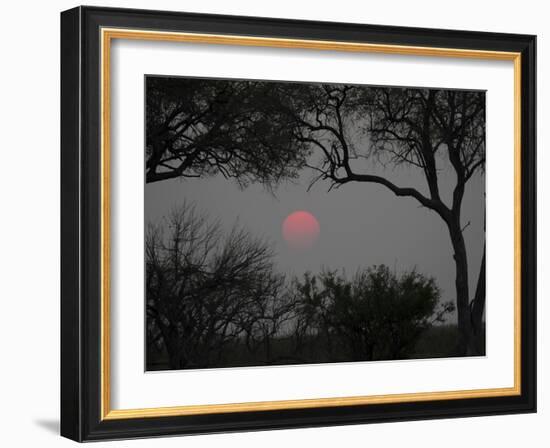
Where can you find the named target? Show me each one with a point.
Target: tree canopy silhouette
(197, 127)
(423, 129)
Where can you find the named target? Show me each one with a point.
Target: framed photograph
(275, 224)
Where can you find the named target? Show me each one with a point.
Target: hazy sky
(362, 224)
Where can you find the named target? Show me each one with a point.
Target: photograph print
(300, 223)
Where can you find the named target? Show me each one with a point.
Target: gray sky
(361, 224)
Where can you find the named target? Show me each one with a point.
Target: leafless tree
(265, 325)
(202, 286)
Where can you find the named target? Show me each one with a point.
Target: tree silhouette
(375, 315)
(197, 127)
(202, 286)
(264, 325)
(423, 129)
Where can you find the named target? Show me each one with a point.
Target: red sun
(301, 229)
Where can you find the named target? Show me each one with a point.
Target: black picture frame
(81, 208)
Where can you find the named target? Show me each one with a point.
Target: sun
(301, 229)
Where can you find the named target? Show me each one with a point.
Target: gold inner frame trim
(107, 35)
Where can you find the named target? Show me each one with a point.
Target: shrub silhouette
(375, 315)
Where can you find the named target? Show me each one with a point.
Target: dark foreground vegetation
(215, 299)
(435, 342)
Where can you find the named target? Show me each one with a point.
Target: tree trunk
(465, 344)
(477, 308)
